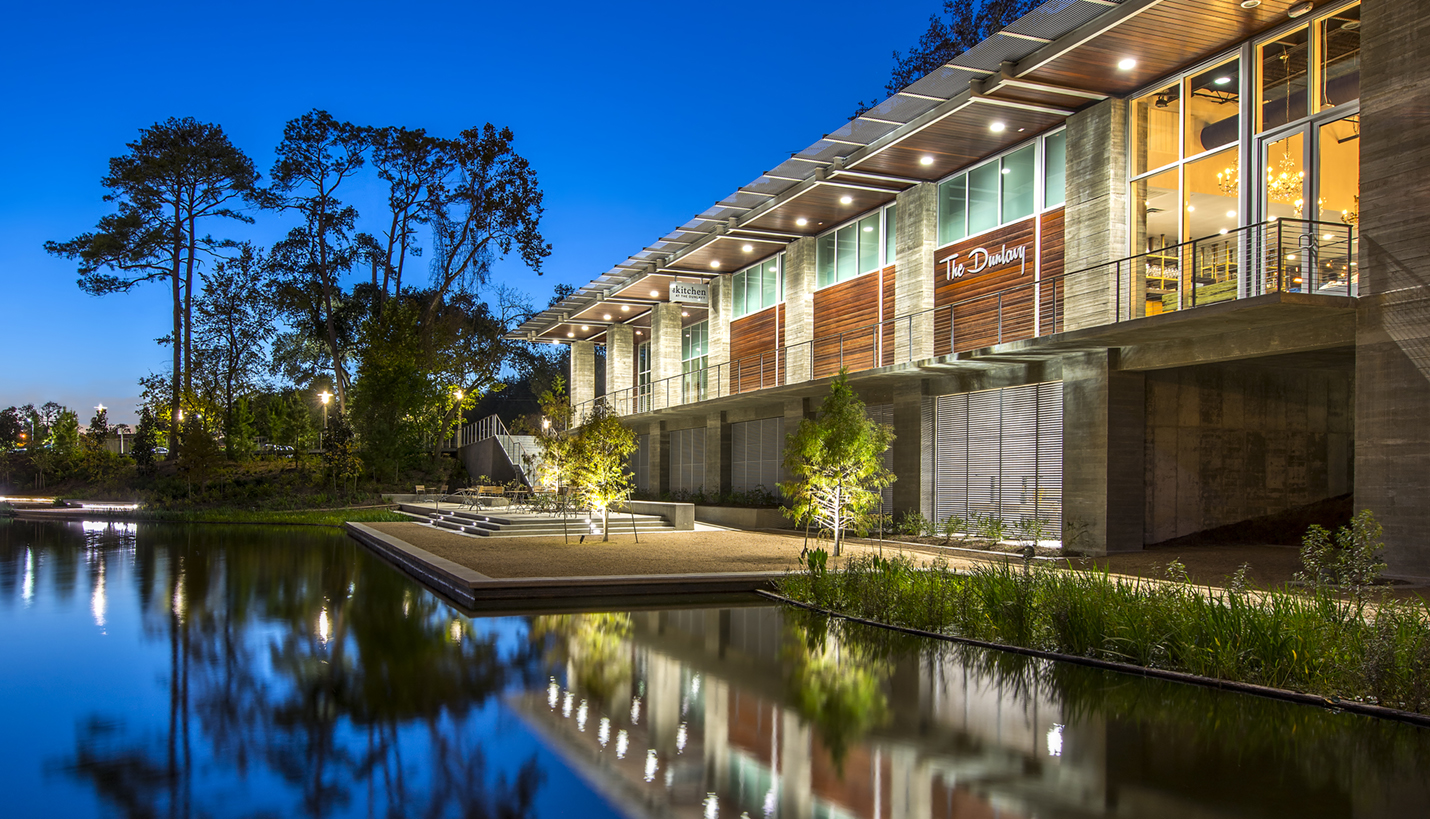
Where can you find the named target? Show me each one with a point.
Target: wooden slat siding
(1050, 304)
(820, 205)
(960, 140)
(780, 345)
(751, 337)
(840, 308)
(976, 323)
(888, 313)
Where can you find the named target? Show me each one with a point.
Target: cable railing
(1282, 255)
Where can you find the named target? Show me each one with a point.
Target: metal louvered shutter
(756, 451)
(640, 463)
(884, 414)
(687, 460)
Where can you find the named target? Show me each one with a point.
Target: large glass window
(756, 287)
(1284, 76)
(1338, 63)
(854, 249)
(1213, 108)
(1003, 190)
(890, 234)
(643, 376)
(1156, 124)
(694, 358)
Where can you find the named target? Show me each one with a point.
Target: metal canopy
(1029, 77)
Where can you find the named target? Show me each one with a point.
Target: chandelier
(1229, 179)
(1352, 216)
(1285, 186)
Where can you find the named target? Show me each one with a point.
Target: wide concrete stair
(509, 524)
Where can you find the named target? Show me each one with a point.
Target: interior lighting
(655, 294)
(1126, 64)
(747, 248)
(1250, 4)
(685, 314)
(845, 200)
(1222, 231)
(997, 127)
(638, 332)
(1290, 257)
(606, 317)
(585, 327)
(1191, 208)
(625, 308)
(1222, 80)
(570, 335)
(801, 221)
(868, 228)
(925, 160)
(1328, 236)
(1007, 170)
(715, 263)
(1298, 10)
(1231, 214)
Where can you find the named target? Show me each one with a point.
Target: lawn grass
(1316, 642)
(300, 517)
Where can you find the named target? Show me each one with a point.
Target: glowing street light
(325, 397)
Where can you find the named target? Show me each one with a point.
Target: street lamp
(324, 397)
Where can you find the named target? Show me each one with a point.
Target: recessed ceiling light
(625, 308)
(1290, 257)
(1006, 170)
(997, 127)
(570, 335)
(801, 221)
(1222, 80)
(747, 248)
(1126, 64)
(655, 294)
(845, 200)
(925, 160)
(638, 332)
(585, 327)
(1298, 10)
(1191, 208)
(684, 313)
(1328, 236)
(1231, 214)
(1250, 4)
(868, 228)
(1223, 230)
(715, 263)
(606, 317)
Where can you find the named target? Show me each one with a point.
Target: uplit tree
(836, 464)
(600, 450)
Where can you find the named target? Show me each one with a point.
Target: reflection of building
(1006, 256)
(711, 718)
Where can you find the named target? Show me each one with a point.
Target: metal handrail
(1258, 267)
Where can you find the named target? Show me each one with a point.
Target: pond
(165, 670)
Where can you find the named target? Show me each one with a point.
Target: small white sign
(981, 258)
(687, 293)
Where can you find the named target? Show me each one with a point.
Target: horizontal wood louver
(756, 451)
(687, 460)
(999, 452)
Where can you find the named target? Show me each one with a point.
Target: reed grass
(1316, 642)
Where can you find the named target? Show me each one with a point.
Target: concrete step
(476, 524)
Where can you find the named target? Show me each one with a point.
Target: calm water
(246, 671)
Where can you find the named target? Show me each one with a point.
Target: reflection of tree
(837, 685)
(596, 645)
(295, 653)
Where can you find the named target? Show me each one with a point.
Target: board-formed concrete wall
(1096, 213)
(1231, 442)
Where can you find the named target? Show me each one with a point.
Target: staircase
(515, 523)
(521, 451)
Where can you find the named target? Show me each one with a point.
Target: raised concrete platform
(518, 523)
(474, 590)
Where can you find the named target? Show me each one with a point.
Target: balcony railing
(1284, 255)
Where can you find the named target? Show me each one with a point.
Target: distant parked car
(161, 450)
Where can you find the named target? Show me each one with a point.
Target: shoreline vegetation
(230, 515)
(1335, 641)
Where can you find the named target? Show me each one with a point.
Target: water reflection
(210, 671)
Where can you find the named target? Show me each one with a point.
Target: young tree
(200, 455)
(340, 458)
(836, 463)
(146, 440)
(234, 324)
(98, 431)
(553, 441)
(601, 446)
(12, 428)
(178, 176)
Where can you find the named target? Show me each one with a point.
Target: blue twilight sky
(636, 116)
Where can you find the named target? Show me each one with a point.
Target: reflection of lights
(566, 702)
(553, 691)
(622, 743)
(770, 800)
(97, 600)
(323, 627)
(669, 777)
(651, 765)
(581, 717)
(603, 731)
(456, 631)
(681, 734)
(1055, 740)
(635, 710)
(695, 686)
(712, 806)
(684, 706)
(27, 588)
(178, 602)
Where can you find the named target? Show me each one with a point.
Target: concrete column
(659, 444)
(1096, 228)
(799, 308)
(717, 454)
(796, 766)
(914, 245)
(1104, 476)
(910, 492)
(721, 305)
(582, 382)
(796, 410)
(665, 329)
(621, 367)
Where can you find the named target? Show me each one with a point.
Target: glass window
(1213, 105)
(1019, 174)
(869, 243)
(1210, 203)
(846, 249)
(1283, 80)
(1055, 161)
(1156, 208)
(1156, 122)
(890, 254)
(824, 261)
(769, 283)
(983, 185)
(737, 294)
(953, 210)
(1338, 64)
(1285, 178)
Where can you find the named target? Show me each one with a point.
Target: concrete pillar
(914, 246)
(721, 306)
(582, 382)
(799, 309)
(796, 410)
(1096, 227)
(796, 766)
(1392, 438)
(911, 494)
(1104, 477)
(658, 442)
(717, 454)
(665, 329)
(621, 368)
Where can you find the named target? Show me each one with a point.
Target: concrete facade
(582, 386)
(914, 274)
(1097, 206)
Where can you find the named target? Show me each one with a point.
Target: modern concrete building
(1138, 268)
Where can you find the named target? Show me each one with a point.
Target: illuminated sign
(687, 293)
(980, 259)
